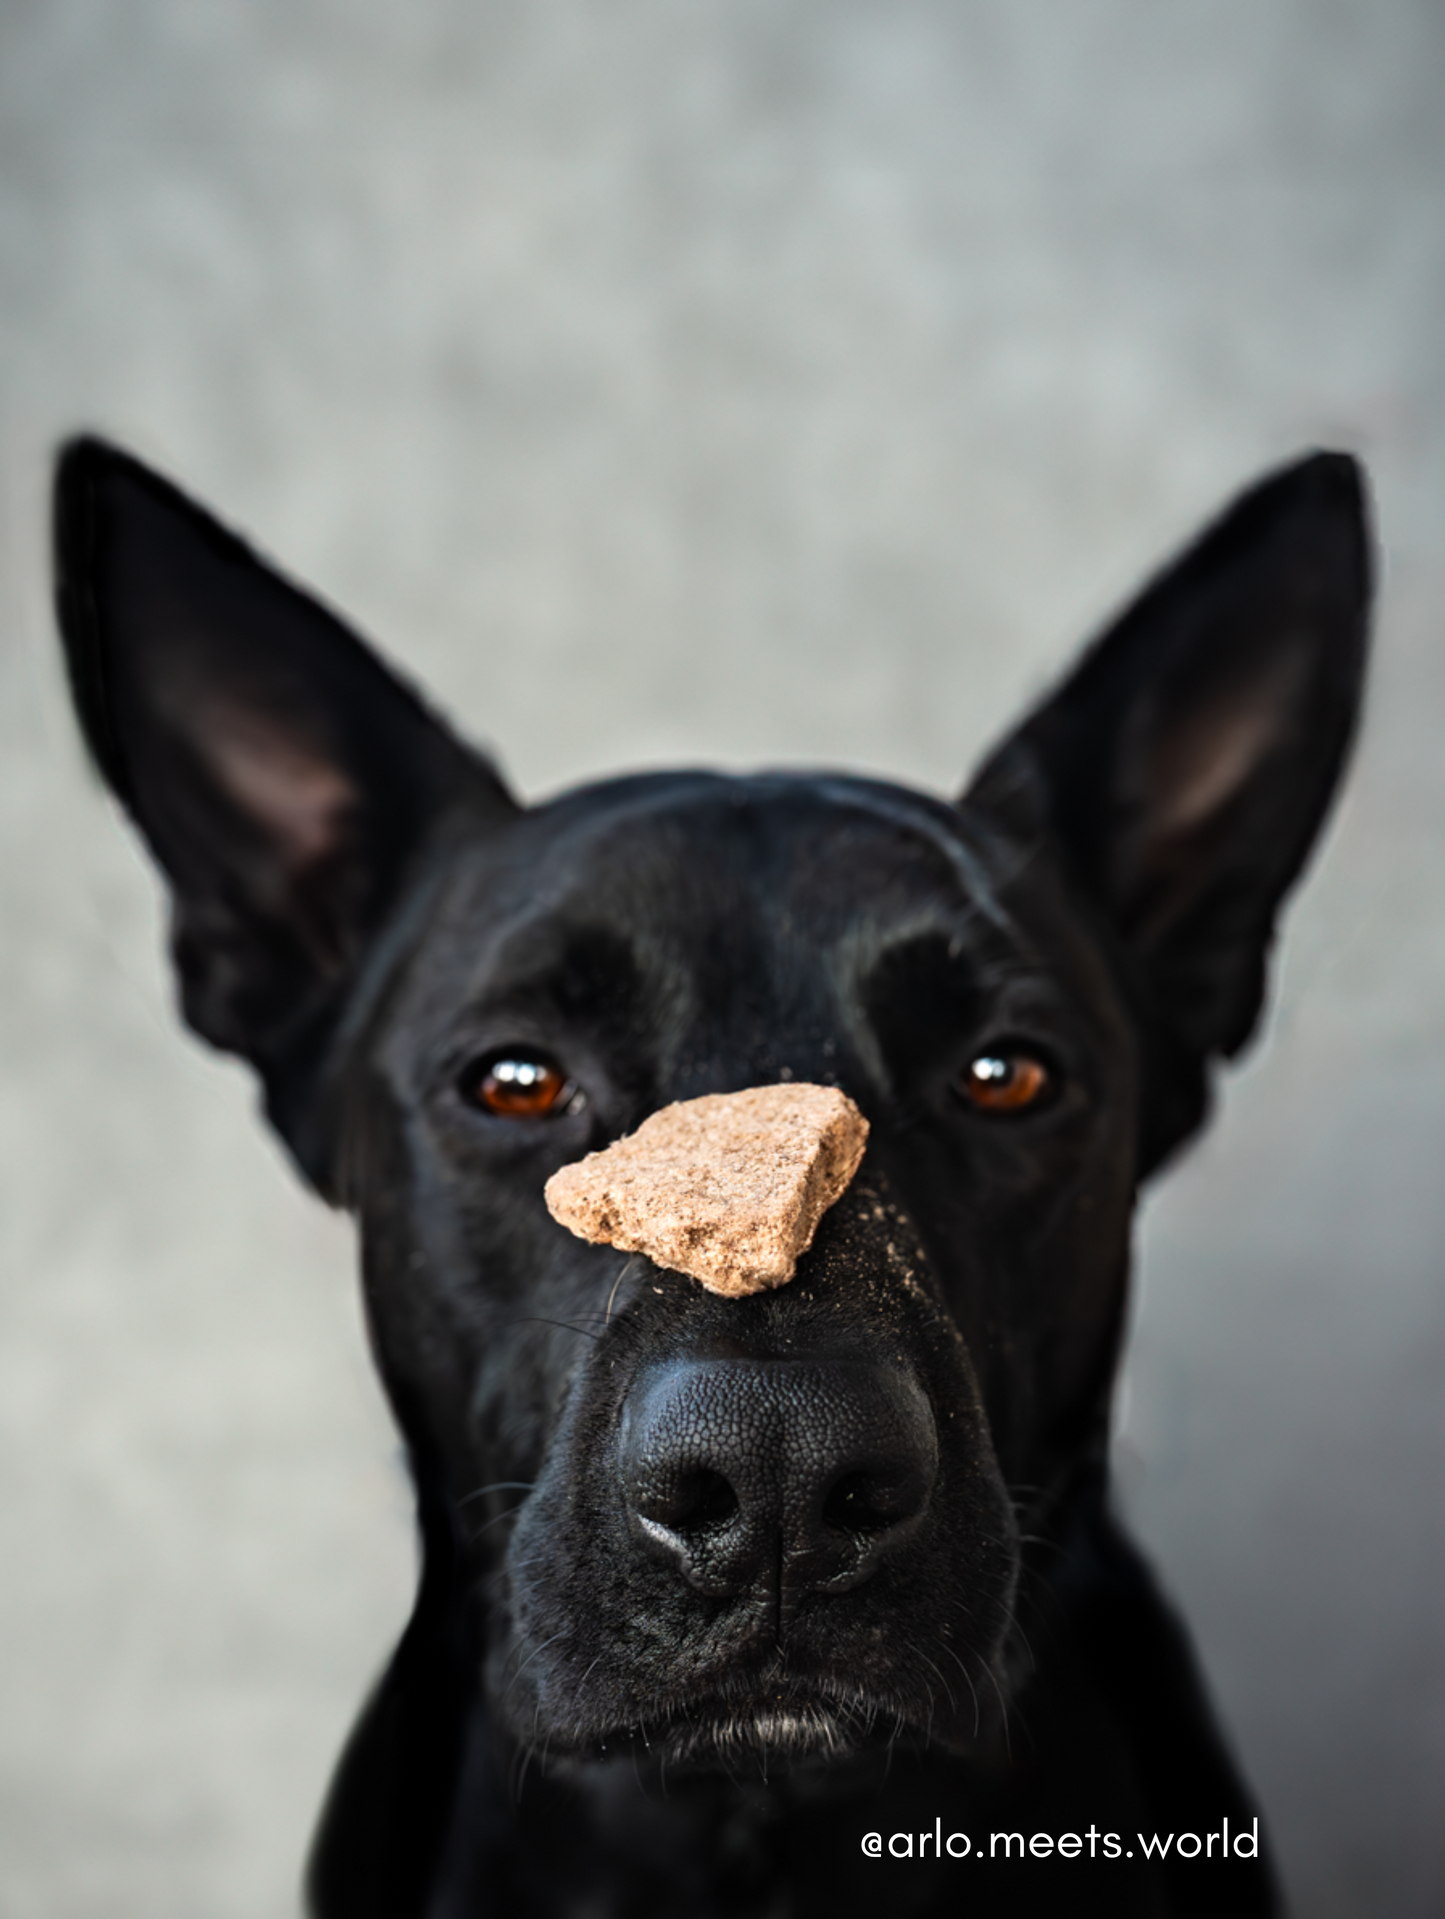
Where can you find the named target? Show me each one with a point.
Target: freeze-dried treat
(728, 1188)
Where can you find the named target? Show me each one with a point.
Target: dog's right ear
(286, 781)
(1186, 764)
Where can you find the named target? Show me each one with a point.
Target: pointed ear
(1186, 765)
(286, 782)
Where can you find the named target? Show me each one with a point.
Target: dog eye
(518, 1086)
(1005, 1082)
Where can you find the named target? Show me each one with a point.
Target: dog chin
(782, 1735)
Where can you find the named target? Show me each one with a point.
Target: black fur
(577, 1722)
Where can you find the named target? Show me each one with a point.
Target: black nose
(776, 1476)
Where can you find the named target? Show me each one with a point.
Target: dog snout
(776, 1478)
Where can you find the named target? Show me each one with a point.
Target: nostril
(711, 1502)
(849, 1509)
(692, 1503)
(862, 1502)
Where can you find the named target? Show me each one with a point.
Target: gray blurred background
(769, 380)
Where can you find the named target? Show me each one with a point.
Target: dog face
(948, 1300)
(695, 1526)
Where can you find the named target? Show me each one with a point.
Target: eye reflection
(518, 1086)
(1006, 1081)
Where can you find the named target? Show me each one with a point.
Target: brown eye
(518, 1086)
(1005, 1082)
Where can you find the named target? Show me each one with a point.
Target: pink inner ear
(1198, 765)
(299, 797)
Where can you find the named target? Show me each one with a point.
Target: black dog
(721, 1599)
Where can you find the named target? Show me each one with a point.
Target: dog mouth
(782, 1729)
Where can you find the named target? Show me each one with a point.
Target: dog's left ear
(288, 783)
(1188, 762)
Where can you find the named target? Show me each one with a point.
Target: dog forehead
(816, 858)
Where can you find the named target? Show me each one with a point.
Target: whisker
(627, 1268)
(497, 1486)
(532, 1655)
(919, 1653)
(585, 1677)
(562, 1325)
(1003, 1709)
(496, 1520)
(968, 1681)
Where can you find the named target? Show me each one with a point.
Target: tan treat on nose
(728, 1188)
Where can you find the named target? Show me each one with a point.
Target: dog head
(788, 1522)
